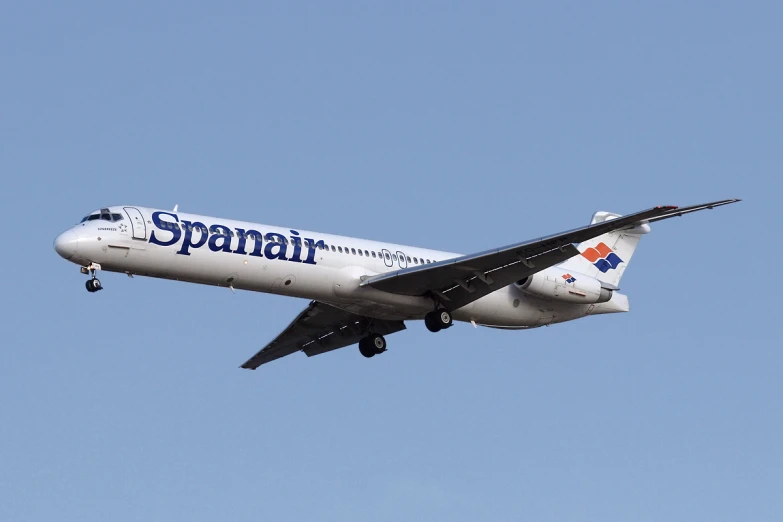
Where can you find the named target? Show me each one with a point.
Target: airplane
(362, 290)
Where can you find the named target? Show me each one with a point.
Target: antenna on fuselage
(175, 207)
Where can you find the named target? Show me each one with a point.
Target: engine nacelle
(569, 287)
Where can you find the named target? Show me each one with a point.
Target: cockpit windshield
(104, 215)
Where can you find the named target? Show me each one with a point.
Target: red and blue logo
(602, 257)
(568, 278)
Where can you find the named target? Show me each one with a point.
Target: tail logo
(602, 257)
(568, 278)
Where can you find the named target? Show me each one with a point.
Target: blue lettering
(312, 247)
(220, 233)
(172, 227)
(222, 237)
(241, 243)
(278, 241)
(243, 236)
(187, 240)
(297, 247)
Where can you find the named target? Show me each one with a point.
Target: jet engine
(569, 287)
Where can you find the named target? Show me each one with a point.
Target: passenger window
(394, 257)
(415, 260)
(387, 256)
(360, 252)
(353, 251)
(340, 249)
(332, 247)
(373, 254)
(408, 258)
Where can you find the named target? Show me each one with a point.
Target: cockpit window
(103, 215)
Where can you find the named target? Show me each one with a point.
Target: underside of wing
(321, 328)
(460, 281)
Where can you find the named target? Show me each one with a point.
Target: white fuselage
(298, 263)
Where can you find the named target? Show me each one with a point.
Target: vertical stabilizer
(606, 257)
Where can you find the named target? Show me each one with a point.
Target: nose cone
(65, 244)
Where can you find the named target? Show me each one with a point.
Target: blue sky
(459, 126)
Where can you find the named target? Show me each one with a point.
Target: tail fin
(606, 257)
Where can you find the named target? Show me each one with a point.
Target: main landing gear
(438, 320)
(371, 345)
(93, 284)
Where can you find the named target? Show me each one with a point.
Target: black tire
(365, 348)
(431, 322)
(89, 286)
(438, 320)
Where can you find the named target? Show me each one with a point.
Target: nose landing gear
(93, 284)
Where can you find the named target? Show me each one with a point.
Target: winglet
(175, 207)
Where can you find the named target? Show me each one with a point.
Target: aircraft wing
(320, 328)
(462, 280)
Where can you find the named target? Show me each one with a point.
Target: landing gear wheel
(93, 285)
(378, 343)
(438, 320)
(372, 345)
(365, 348)
(431, 322)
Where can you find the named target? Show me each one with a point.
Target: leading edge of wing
(518, 252)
